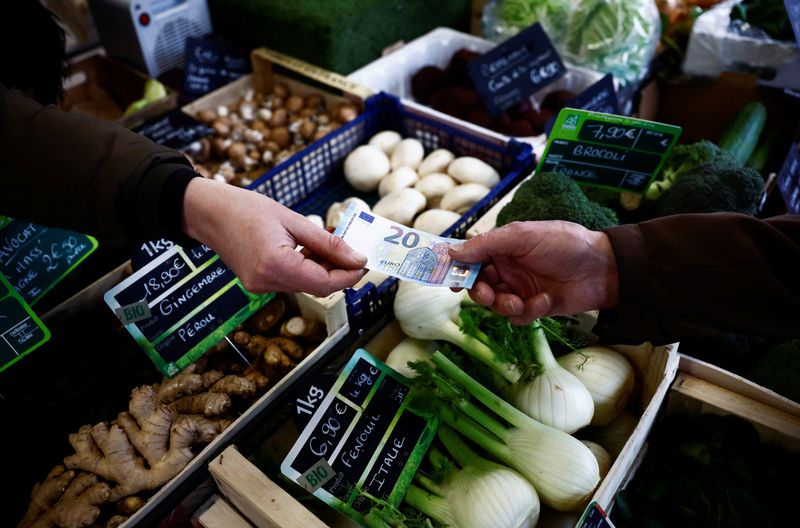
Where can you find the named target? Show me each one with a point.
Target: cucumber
(741, 138)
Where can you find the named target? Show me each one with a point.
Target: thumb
(330, 248)
(476, 249)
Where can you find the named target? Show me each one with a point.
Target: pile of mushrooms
(428, 192)
(260, 130)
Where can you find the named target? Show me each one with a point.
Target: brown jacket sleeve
(699, 274)
(73, 171)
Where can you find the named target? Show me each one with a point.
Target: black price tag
(362, 443)
(35, 258)
(181, 304)
(211, 63)
(599, 97)
(789, 179)
(595, 517)
(175, 129)
(309, 397)
(606, 150)
(515, 69)
(21, 331)
(793, 11)
(147, 251)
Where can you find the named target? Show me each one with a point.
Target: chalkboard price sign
(211, 63)
(21, 331)
(599, 97)
(515, 69)
(363, 444)
(35, 258)
(595, 517)
(175, 129)
(177, 307)
(789, 179)
(606, 150)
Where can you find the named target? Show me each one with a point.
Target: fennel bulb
(481, 494)
(407, 351)
(427, 312)
(607, 374)
(551, 396)
(554, 397)
(561, 468)
(614, 435)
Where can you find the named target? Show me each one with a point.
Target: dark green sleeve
(700, 274)
(74, 171)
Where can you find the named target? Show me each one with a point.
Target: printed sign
(21, 331)
(147, 251)
(194, 301)
(606, 150)
(35, 258)
(595, 517)
(793, 10)
(363, 442)
(599, 97)
(175, 129)
(211, 63)
(515, 69)
(309, 397)
(789, 179)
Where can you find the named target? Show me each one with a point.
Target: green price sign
(21, 331)
(35, 258)
(607, 150)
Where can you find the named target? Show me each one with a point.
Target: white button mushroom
(436, 161)
(460, 199)
(365, 166)
(408, 153)
(467, 169)
(399, 178)
(434, 186)
(386, 140)
(400, 206)
(337, 209)
(436, 220)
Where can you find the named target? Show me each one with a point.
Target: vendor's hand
(535, 269)
(257, 238)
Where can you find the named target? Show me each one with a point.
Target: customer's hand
(535, 269)
(257, 238)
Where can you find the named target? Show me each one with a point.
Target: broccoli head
(683, 159)
(554, 196)
(714, 188)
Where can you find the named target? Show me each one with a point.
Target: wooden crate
(700, 388)
(655, 368)
(337, 89)
(216, 512)
(104, 87)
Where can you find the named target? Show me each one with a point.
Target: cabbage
(612, 36)
(609, 36)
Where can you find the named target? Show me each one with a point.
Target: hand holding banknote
(404, 252)
(535, 269)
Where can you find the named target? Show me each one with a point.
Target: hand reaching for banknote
(256, 237)
(535, 269)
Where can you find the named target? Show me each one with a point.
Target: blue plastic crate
(313, 179)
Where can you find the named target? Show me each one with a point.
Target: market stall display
(569, 430)
(176, 424)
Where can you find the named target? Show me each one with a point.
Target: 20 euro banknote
(404, 252)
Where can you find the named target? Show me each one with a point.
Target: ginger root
(303, 327)
(76, 506)
(268, 316)
(164, 442)
(207, 403)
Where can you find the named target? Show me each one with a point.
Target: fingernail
(358, 256)
(512, 308)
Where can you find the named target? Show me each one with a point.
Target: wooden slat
(771, 422)
(216, 512)
(262, 501)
